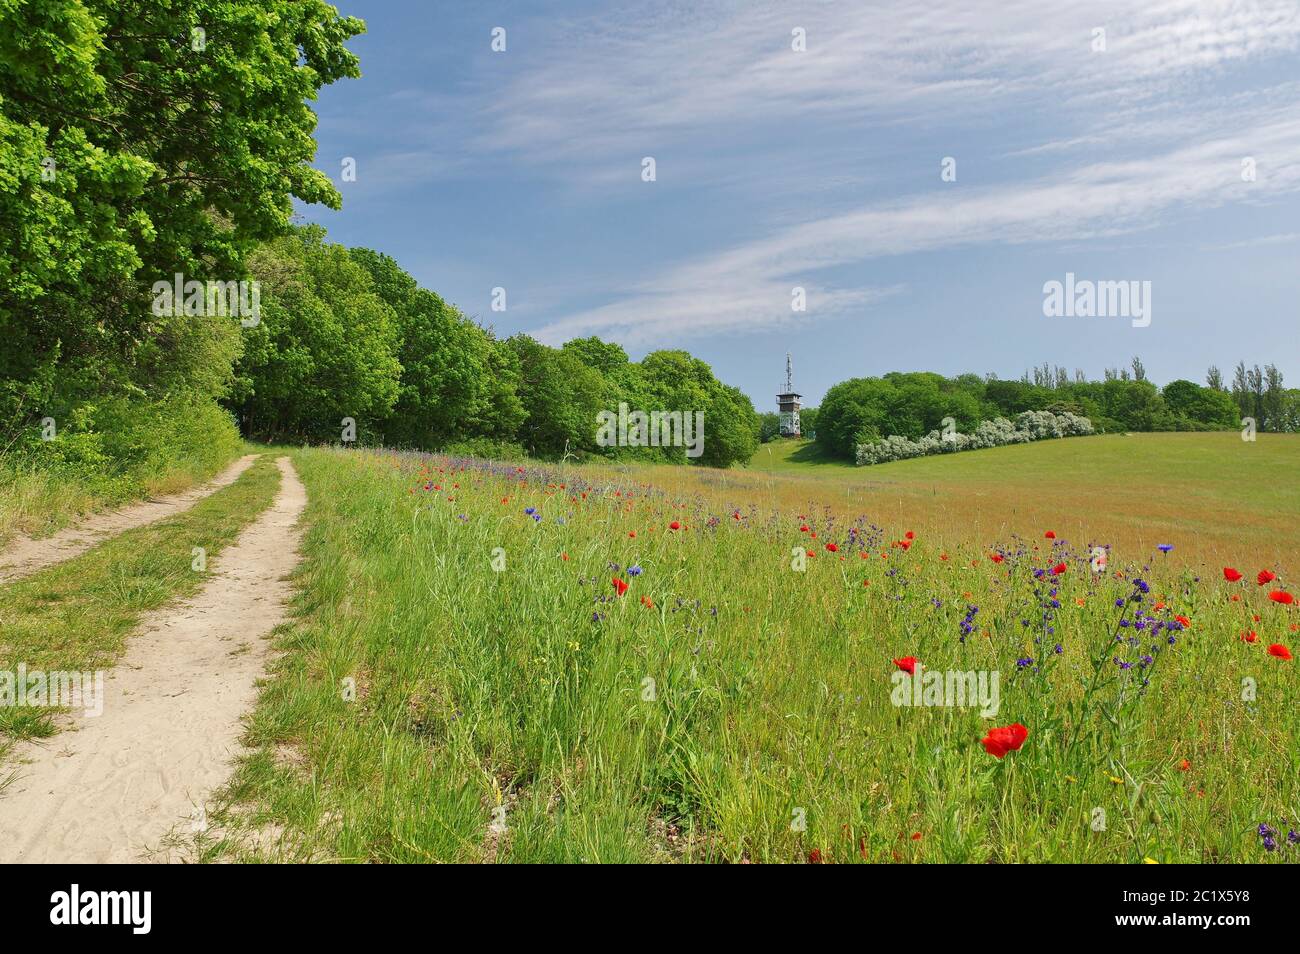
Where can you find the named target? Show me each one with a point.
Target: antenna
(789, 375)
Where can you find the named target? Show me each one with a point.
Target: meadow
(529, 662)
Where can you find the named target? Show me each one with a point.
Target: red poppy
(1187, 623)
(832, 547)
(1280, 651)
(674, 525)
(1184, 765)
(1050, 535)
(632, 534)
(1231, 575)
(815, 856)
(910, 535)
(916, 836)
(620, 586)
(804, 528)
(1249, 637)
(1265, 577)
(907, 664)
(1281, 596)
(997, 557)
(1058, 569)
(1006, 739)
(905, 544)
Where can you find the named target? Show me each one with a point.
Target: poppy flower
(1187, 623)
(910, 535)
(815, 856)
(997, 557)
(674, 525)
(1049, 535)
(1184, 765)
(632, 534)
(1280, 651)
(1265, 577)
(1058, 569)
(1005, 739)
(804, 528)
(620, 586)
(916, 836)
(1249, 636)
(907, 664)
(1281, 596)
(832, 547)
(1231, 575)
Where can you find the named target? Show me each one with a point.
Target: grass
(76, 616)
(463, 683)
(1212, 494)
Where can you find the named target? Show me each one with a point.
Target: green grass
(76, 616)
(478, 689)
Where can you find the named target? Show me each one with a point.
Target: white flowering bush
(1028, 426)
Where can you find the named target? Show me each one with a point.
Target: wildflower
(1249, 637)
(1231, 575)
(815, 856)
(620, 586)
(1164, 547)
(634, 570)
(1184, 622)
(910, 536)
(832, 548)
(1184, 765)
(632, 534)
(1058, 569)
(1265, 576)
(1049, 535)
(674, 525)
(530, 510)
(907, 664)
(1006, 739)
(1281, 596)
(997, 557)
(1280, 651)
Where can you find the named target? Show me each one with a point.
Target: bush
(1028, 426)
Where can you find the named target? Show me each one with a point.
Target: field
(529, 663)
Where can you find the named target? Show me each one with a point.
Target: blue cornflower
(530, 510)
(634, 570)
(1165, 547)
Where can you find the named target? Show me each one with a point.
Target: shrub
(998, 432)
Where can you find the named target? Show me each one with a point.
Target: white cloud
(748, 285)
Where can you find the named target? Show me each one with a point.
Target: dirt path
(25, 556)
(111, 788)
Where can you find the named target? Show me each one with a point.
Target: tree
(325, 349)
(1214, 379)
(133, 148)
(452, 386)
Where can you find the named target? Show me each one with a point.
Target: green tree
(325, 349)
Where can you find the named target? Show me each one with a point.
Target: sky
(920, 170)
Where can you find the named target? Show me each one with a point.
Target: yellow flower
(1150, 861)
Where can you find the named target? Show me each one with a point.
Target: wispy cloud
(748, 285)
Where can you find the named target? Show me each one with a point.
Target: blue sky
(821, 169)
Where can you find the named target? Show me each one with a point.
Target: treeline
(910, 405)
(140, 140)
(145, 143)
(347, 334)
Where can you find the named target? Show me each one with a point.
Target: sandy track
(111, 788)
(25, 556)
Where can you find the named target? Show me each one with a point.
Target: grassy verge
(77, 615)
(99, 460)
(441, 699)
